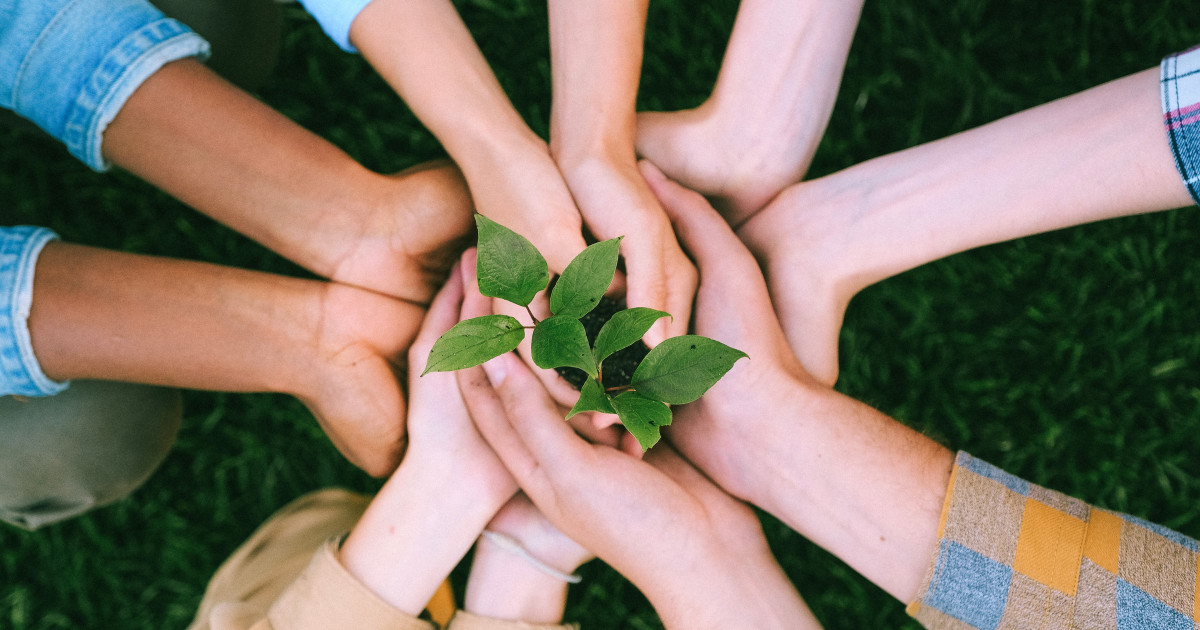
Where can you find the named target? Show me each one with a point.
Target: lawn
(1071, 359)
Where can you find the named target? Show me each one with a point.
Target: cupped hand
(355, 390)
(408, 231)
(723, 432)
(718, 159)
(615, 201)
(692, 549)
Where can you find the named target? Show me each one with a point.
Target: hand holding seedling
(713, 570)
(726, 428)
(677, 371)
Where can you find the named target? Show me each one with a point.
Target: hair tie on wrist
(510, 545)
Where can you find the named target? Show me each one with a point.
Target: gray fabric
(95, 443)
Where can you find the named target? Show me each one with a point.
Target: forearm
(235, 159)
(108, 315)
(859, 484)
(742, 586)
(596, 59)
(419, 527)
(425, 52)
(784, 64)
(504, 586)
(1095, 155)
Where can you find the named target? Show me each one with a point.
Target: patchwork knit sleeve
(1181, 114)
(1012, 554)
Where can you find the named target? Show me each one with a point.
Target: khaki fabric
(287, 577)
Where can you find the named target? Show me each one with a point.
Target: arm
(713, 570)
(232, 157)
(1095, 155)
(449, 486)
(596, 55)
(505, 585)
(863, 486)
(108, 315)
(759, 129)
(697, 554)
(424, 51)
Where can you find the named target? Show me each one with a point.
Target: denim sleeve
(70, 65)
(1181, 114)
(19, 370)
(335, 17)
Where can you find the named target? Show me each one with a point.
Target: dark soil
(618, 368)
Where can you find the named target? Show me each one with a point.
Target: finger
(517, 418)
(647, 283)
(493, 423)
(707, 237)
(534, 414)
(442, 315)
(474, 303)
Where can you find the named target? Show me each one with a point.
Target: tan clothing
(287, 577)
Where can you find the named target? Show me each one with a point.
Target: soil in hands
(618, 368)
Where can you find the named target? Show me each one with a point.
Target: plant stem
(531, 315)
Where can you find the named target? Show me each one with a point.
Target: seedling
(679, 370)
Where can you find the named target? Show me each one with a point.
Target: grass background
(1068, 358)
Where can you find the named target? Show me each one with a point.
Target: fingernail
(496, 369)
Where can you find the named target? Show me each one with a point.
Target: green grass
(1070, 358)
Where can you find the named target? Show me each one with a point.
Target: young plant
(677, 371)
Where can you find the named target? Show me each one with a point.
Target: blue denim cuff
(335, 17)
(19, 370)
(1180, 82)
(70, 65)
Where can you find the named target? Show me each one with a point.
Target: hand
(404, 239)
(861, 485)
(760, 128)
(697, 554)
(396, 550)
(721, 431)
(503, 585)
(353, 388)
(615, 201)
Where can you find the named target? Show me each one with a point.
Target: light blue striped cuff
(335, 17)
(1180, 84)
(20, 372)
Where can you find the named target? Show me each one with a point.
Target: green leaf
(473, 341)
(642, 417)
(591, 398)
(585, 279)
(508, 266)
(560, 341)
(680, 369)
(624, 328)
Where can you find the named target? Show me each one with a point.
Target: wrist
(404, 547)
(504, 586)
(576, 147)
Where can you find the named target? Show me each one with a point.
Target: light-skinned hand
(698, 554)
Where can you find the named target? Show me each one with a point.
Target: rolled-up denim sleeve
(335, 17)
(70, 65)
(20, 372)
(1180, 81)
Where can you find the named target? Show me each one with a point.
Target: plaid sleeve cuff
(1180, 84)
(20, 372)
(1015, 555)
